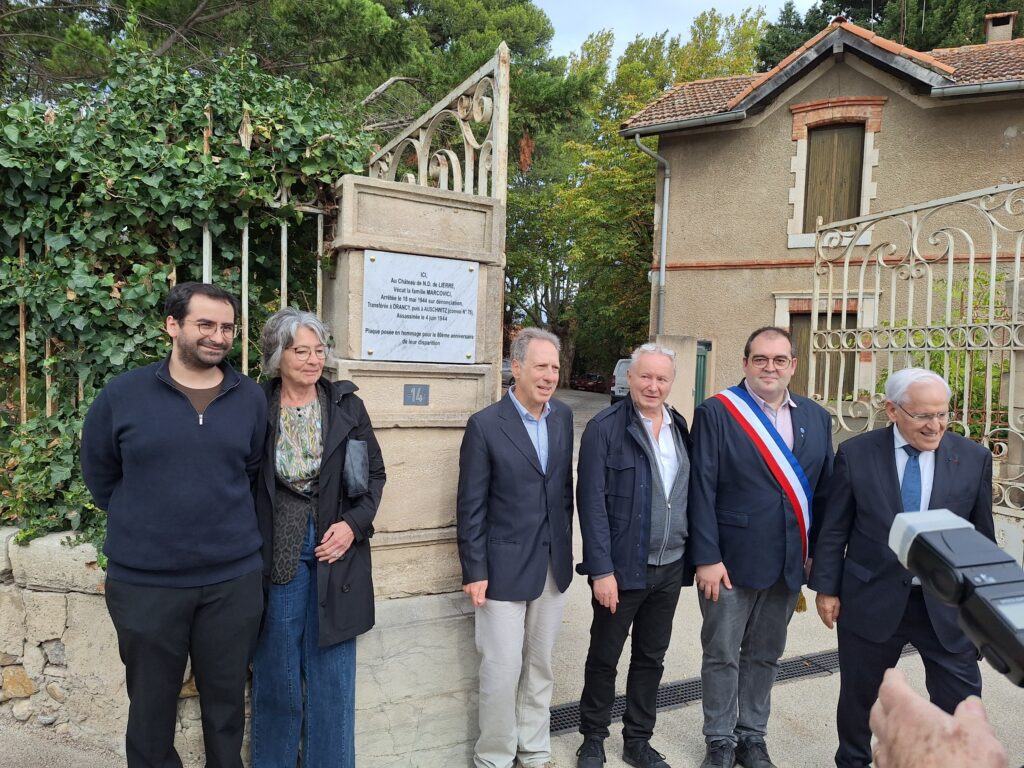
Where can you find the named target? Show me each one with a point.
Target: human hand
(606, 592)
(335, 543)
(709, 577)
(477, 591)
(914, 733)
(828, 609)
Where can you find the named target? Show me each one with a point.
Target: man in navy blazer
(861, 586)
(514, 516)
(761, 460)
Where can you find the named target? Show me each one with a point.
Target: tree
(581, 220)
(790, 31)
(943, 23)
(104, 197)
(918, 24)
(47, 44)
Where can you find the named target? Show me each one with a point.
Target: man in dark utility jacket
(631, 494)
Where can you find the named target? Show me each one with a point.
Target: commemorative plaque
(419, 308)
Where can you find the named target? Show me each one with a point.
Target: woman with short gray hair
(318, 490)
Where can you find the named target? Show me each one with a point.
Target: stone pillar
(416, 685)
(683, 389)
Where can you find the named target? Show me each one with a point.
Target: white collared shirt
(926, 460)
(664, 448)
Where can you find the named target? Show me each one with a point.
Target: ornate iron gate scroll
(938, 286)
(459, 144)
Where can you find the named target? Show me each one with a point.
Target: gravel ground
(28, 746)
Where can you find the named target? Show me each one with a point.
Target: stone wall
(58, 649)
(60, 666)
(58, 652)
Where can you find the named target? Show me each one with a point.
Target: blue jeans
(292, 676)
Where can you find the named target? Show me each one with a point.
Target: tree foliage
(339, 45)
(922, 26)
(107, 192)
(581, 220)
(944, 23)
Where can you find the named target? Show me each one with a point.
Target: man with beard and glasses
(171, 451)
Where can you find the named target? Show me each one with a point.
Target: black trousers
(949, 677)
(158, 628)
(649, 612)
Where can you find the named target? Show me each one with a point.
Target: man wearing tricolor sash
(761, 461)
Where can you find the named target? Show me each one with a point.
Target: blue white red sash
(776, 454)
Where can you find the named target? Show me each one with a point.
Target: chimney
(999, 26)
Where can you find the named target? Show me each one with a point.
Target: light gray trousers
(515, 640)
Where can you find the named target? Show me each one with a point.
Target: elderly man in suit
(912, 464)
(761, 460)
(514, 516)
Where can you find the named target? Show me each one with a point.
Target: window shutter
(835, 155)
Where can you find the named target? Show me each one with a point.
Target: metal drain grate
(565, 718)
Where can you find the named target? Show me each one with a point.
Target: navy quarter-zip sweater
(177, 488)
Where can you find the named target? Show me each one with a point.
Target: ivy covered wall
(103, 198)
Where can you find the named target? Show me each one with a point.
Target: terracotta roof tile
(966, 65)
(694, 99)
(987, 63)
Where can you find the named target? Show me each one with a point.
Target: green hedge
(109, 191)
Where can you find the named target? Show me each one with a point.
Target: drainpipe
(660, 325)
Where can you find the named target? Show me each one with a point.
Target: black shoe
(640, 754)
(752, 753)
(591, 753)
(720, 754)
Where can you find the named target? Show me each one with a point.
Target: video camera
(967, 571)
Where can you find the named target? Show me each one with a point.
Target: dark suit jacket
(738, 513)
(852, 558)
(513, 518)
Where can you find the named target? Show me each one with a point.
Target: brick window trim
(803, 307)
(840, 109)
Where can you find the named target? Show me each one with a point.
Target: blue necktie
(910, 490)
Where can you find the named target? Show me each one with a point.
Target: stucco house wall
(730, 267)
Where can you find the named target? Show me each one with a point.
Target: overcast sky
(575, 19)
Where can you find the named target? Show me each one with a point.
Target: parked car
(507, 380)
(589, 382)
(620, 386)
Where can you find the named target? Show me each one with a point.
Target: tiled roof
(694, 99)
(987, 63)
(967, 65)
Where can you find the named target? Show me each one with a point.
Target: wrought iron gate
(939, 286)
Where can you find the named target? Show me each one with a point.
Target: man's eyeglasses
(303, 353)
(208, 328)
(924, 418)
(760, 361)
